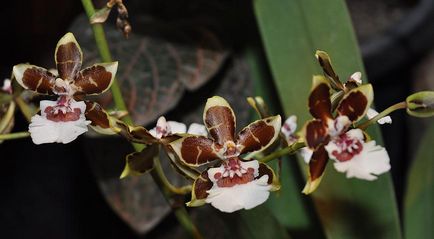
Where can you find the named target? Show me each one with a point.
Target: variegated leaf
(319, 99)
(219, 119)
(95, 79)
(34, 78)
(258, 135)
(68, 56)
(356, 102)
(195, 150)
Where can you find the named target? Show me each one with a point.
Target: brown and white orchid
(64, 120)
(232, 183)
(329, 136)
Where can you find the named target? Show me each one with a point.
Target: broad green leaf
(419, 196)
(289, 206)
(292, 31)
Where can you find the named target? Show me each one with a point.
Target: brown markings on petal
(318, 163)
(220, 123)
(196, 150)
(319, 102)
(353, 106)
(316, 134)
(93, 80)
(143, 161)
(201, 185)
(68, 60)
(39, 80)
(141, 135)
(96, 114)
(255, 136)
(264, 170)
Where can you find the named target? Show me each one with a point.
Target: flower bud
(421, 104)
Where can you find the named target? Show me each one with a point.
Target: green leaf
(419, 196)
(289, 206)
(292, 31)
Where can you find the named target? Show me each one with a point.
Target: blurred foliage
(419, 197)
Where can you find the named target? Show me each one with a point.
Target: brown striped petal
(188, 172)
(326, 65)
(69, 57)
(317, 167)
(219, 119)
(319, 99)
(95, 79)
(136, 134)
(139, 163)
(315, 133)
(34, 78)
(273, 180)
(258, 135)
(198, 193)
(356, 102)
(195, 150)
(97, 115)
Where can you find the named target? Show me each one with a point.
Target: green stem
(397, 106)
(17, 135)
(98, 30)
(279, 153)
(25, 109)
(104, 51)
(165, 181)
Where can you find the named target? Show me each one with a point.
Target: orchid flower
(289, 129)
(163, 133)
(233, 183)
(63, 120)
(328, 136)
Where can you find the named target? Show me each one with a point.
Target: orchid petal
(319, 99)
(258, 135)
(356, 102)
(219, 119)
(34, 78)
(371, 162)
(95, 79)
(197, 129)
(317, 166)
(69, 57)
(199, 192)
(195, 150)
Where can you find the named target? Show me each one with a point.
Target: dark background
(49, 191)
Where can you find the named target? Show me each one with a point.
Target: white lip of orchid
(44, 130)
(371, 113)
(233, 197)
(165, 128)
(367, 161)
